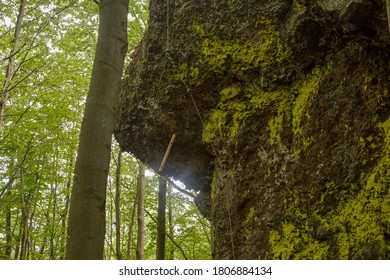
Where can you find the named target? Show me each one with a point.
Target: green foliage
(39, 137)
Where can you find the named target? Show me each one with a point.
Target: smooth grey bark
(86, 225)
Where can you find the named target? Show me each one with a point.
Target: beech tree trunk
(86, 225)
(141, 212)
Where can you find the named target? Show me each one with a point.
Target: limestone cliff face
(281, 108)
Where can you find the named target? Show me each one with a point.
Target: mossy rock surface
(282, 115)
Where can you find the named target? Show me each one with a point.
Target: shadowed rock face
(281, 110)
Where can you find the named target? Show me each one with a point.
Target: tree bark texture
(86, 226)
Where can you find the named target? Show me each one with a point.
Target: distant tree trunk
(162, 201)
(110, 233)
(53, 227)
(43, 246)
(63, 226)
(117, 207)
(24, 220)
(30, 242)
(131, 226)
(170, 222)
(17, 241)
(170, 237)
(8, 235)
(64, 214)
(8, 213)
(141, 213)
(9, 73)
(27, 203)
(86, 225)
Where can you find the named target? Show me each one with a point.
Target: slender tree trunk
(86, 226)
(11, 61)
(63, 227)
(141, 213)
(17, 239)
(162, 201)
(8, 213)
(30, 240)
(170, 238)
(64, 215)
(24, 227)
(53, 227)
(43, 246)
(131, 226)
(24, 219)
(17, 247)
(8, 235)
(170, 222)
(27, 217)
(110, 234)
(117, 207)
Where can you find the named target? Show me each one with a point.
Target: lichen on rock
(281, 108)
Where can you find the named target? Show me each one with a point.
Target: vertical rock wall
(282, 113)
